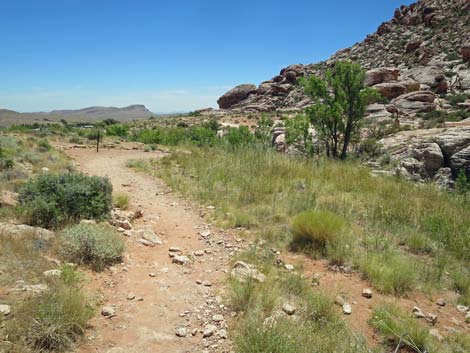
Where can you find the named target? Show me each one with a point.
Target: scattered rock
(367, 293)
(289, 267)
(181, 331)
(130, 296)
(441, 302)
(218, 318)
(418, 313)
(347, 309)
(242, 271)
(289, 309)
(222, 334)
(181, 260)
(209, 330)
(5, 310)
(108, 311)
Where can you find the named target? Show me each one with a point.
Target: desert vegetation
(326, 209)
(45, 306)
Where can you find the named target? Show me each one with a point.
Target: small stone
(218, 318)
(418, 312)
(289, 309)
(181, 260)
(130, 296)
(174, 249)
(432, 318)
(462, 308)
(146, 243)
(152, 274)
(209, 330)
(316, 279)
(5, 310)
(339, 300)
(205, 233)
(181, 331)
(207, 284)
(108, 311)
(367, 293)
(441, 302)
(289, 267)
(347, 309)
(222, 334)
(194, 332)
(199, 253)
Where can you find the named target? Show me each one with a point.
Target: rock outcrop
(425, 46)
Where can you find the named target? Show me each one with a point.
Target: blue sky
(171, 55)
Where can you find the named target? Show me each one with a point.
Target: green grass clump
(397, 326)
(390, 272)
(316, 228)
(53, 200)
(262, 327)
(50, 321)
(121, 200)
(95, 245)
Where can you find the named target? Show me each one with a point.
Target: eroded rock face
(461, 161)
(453, 140)
(391, 90)
(380, 75)
(429, 76)
(415, 102)
(235, 95)
(431, 157)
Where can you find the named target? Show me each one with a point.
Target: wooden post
(98, 142)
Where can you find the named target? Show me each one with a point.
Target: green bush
(316, 228)
(51, 200)
(117, 130)
(91, 244)
(52, 320)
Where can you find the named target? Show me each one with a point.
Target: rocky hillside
(91, 114)
(422, 52)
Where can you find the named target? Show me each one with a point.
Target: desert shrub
(121, 200)
(117, 130)
(91, 244)
(395, 325)
(52, 320)
(240, 136)
(51, 200)
(44, 146)
(370, 148)
(316, 228)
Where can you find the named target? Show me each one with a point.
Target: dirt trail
(172, 298)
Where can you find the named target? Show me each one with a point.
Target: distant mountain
(90, 114)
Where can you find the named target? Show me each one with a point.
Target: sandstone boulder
(430, 76)
(390, 90)
(9, 229)
(235, 95)
(453, 140)
(431, 156)
(461, 160)
(415, 102)
(381, 74)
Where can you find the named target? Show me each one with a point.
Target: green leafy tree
(339, 104)
(263, 129)
(298, 133)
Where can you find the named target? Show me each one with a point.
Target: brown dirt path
(172, 298)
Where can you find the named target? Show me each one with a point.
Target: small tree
(339, 104)
(263, 129)
(298, 133)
